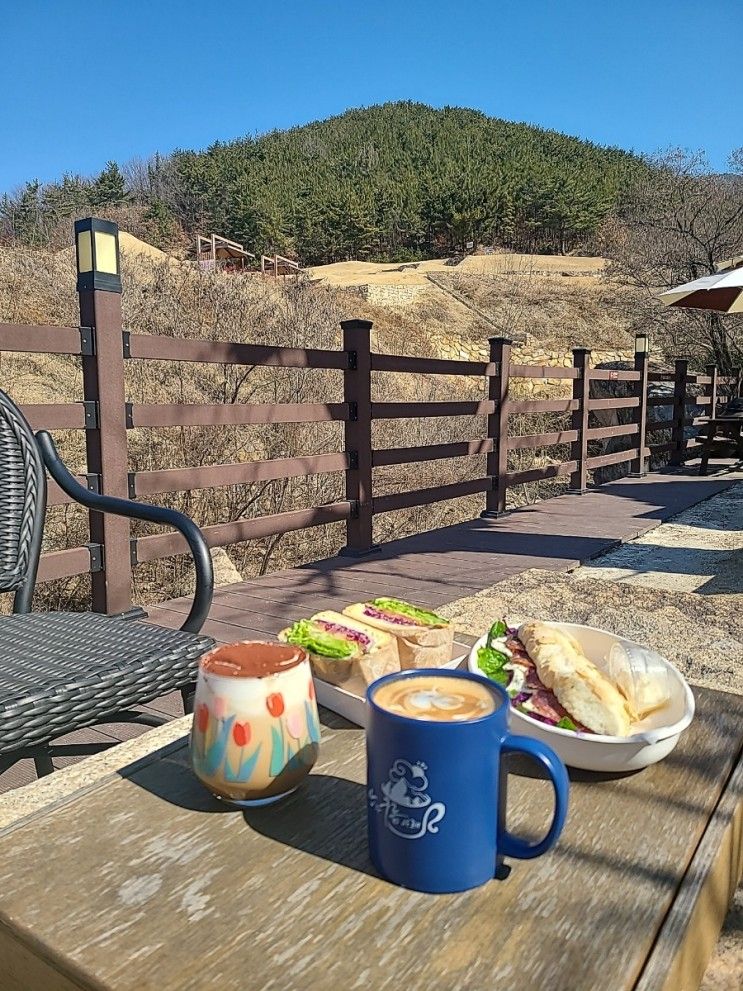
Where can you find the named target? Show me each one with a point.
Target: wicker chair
(63, 671)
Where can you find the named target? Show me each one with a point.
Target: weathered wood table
(143, 881)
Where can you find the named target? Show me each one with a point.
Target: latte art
(435, 698)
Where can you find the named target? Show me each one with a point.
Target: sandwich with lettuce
(340, 647)
(424, 639)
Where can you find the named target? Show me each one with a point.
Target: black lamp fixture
(98, 260)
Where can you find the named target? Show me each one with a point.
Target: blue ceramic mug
(433, 792)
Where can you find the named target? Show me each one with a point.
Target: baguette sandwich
(424, 639)
(577, 684)
(340, 648)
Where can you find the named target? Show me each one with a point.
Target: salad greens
(497, 631)
(566, 723)
(491, 661)
(306, 634)
(422, 616)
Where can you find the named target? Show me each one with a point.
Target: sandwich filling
(401, 613)
(325, 639)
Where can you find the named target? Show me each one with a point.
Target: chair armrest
(141, 511)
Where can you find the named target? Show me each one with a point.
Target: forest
(395, 182)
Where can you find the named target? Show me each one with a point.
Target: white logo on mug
(407, 807)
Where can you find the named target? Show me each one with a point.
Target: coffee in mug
(442, 699)
(434, 743)
(256, 730)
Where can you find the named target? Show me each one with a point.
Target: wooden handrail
(242, 473)
(56, 416)
(423, 497)
(222, 534)
(40, 340)
(159, 347)
(431, 366)
(431, 452)
(397, 411)
(228, 414)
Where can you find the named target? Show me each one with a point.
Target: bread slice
(584, 691)
(419, 646)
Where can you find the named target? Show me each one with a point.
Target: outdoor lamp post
(642, 354)
(98, 261)
(99, 295)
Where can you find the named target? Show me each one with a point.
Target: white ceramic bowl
(654, 737)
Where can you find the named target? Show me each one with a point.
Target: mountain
(394, 182)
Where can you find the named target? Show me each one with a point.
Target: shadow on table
(170, 778)
(326, 817)
(523, 767)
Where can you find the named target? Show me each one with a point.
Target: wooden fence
(105, 415)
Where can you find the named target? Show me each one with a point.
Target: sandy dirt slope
(414, 273)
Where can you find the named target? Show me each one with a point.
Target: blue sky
(83, 82)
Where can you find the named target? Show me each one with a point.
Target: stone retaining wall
(528, 353)
(389, 295)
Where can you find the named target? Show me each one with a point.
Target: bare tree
(681, 220)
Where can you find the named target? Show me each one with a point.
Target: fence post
(681, 369)
(497, 461)
(638, 467)
(358, 441)
(581, 392)
(99, 291)
(711, 370)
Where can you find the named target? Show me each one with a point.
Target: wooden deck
(430, 569)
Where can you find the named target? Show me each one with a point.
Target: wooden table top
(144, 881)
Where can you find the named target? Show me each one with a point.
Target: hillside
(395, 182)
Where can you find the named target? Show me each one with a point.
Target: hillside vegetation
(393, 182)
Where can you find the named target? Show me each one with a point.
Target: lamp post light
(642, 344)
(97, 252)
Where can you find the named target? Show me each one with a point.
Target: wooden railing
(106, 416)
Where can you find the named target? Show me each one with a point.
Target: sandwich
(424, 639)
(577, 684)
(548, 678)
(340, 647)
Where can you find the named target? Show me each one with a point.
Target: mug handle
(512, 846)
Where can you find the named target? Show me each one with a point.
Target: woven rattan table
(141, 880)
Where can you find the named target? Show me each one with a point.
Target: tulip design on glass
(275, 705)
(224, 741)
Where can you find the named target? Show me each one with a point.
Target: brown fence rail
(104, 347)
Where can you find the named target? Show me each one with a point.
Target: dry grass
(560, 312)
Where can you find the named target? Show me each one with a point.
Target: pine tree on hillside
(109, 189)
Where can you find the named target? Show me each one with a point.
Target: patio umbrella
(722, 291)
